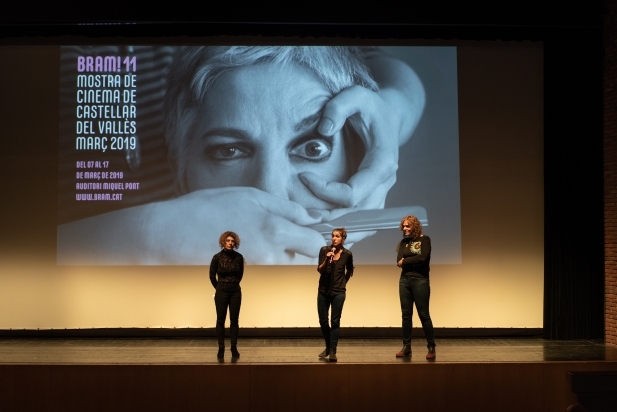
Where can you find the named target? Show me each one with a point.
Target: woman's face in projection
(257, 128)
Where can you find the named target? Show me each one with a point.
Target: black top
(229, 266)
(334, 275)
(416, 255)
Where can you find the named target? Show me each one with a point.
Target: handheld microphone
(333, 250)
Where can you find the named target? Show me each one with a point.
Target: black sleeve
(322, 258)
(241, 267)
(399, 251)
(349, 266)
(214, 265)
(425, 253)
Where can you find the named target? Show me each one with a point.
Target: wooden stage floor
(483, 375)
(379, 351)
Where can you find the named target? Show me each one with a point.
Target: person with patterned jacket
(414, 257)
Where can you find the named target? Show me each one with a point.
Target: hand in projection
(185, 231)
(271, 228)
(384, 121)
(368, 114)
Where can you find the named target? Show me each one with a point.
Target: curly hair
(416, 226)
(342, 231)
(224, 237)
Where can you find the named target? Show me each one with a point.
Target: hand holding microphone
(333, 251)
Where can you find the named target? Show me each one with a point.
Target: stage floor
(131, 351)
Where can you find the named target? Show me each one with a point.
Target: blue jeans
(324, 302)
(416, 290)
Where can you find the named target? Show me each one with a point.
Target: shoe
(431, 353)
(406, 351)
(221, 353)
(325, 353)
(332, 355)
(234, 351)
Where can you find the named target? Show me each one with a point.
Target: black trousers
(224, 299)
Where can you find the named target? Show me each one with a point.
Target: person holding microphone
(336, 268)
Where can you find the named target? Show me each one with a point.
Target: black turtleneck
(229, 266)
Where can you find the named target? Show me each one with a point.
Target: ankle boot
(325, 353)
(221, 353)
(234, 351)
(431, 353)
(332, 355)
(406, 351)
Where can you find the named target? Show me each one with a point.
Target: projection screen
(162, 148)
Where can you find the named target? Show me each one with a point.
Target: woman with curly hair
(414, 257)
(226, 272)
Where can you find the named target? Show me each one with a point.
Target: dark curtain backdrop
(573, 192)
(572, 36)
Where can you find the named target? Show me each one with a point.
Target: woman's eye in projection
(228, 152)
(316, 149)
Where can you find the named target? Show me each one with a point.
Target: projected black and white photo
(162, 148)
